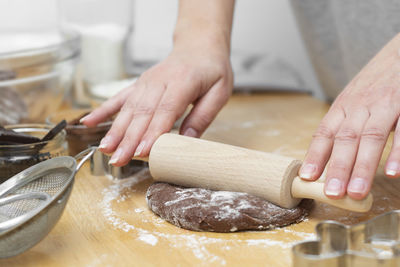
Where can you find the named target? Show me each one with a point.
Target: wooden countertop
(107, 222)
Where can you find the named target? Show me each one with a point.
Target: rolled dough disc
(219, 211)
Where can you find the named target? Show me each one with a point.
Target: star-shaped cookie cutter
(375, 242)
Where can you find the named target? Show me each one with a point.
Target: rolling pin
(193, 162)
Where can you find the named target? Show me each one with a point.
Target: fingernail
(357, 185)
(190, 132)
(115, 157)
(333, 187)
(84, 118)
(307, 171)
(103, 145)
(392, 168)
(139, 148)
(104, 142)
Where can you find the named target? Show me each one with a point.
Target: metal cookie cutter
(99, 166)
(375, 242)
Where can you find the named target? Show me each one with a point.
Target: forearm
(385, 63)
(206, 20)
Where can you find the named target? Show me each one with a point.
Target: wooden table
(107, 222)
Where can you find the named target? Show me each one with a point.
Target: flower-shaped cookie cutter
(375, 242)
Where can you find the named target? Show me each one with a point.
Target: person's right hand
(196, 72)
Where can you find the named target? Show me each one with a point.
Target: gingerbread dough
(219, 211)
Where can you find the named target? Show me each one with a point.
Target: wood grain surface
(107, 222)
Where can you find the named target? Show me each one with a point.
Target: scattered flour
(139, 210)
(269, 243)
(248, 124)
(114, 192)
(287, 150)
(229, 126)
(271, 133)
(148, 238)
(98, 261)
(303, 235)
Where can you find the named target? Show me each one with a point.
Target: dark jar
(79, 136)
(16, 158)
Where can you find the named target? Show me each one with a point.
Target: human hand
(197, 73)
(354, 132)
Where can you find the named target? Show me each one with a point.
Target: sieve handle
(84, 156)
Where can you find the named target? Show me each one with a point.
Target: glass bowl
(33, 82)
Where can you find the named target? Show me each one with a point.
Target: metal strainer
(32, 201)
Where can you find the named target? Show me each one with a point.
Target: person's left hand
(353, 133)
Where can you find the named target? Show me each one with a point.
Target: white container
(106, 28)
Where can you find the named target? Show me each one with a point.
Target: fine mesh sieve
(14, 207)
(32, 201)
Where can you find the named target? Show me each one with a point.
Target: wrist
(201, 33)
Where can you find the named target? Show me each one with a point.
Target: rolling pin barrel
(199, 163)
(194, 162)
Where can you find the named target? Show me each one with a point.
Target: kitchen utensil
(79, 136)
(54, 131)
(15, 158)
(9, 137)
(375, 242)
(27, 219)
(51, 134)
(194, 162)
(99, 166)
(16, 208)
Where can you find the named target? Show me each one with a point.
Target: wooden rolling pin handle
(315, 190)
(193, 162)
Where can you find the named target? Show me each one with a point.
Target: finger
(344, 153)
(205, 110)
(126, 148)
(372, 143)
(321, 145)
(171, 106)
(107, 109)
(142, 107)
(114, 136)
(392, 168)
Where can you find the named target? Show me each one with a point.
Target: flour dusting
(271, 133)
(139, 210)
(269, 242)
(234, 125)
(98, 261)
(114, 192)
(287, 150)
(148, 238)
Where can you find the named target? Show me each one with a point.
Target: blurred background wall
(267, 50)
(262, 29)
